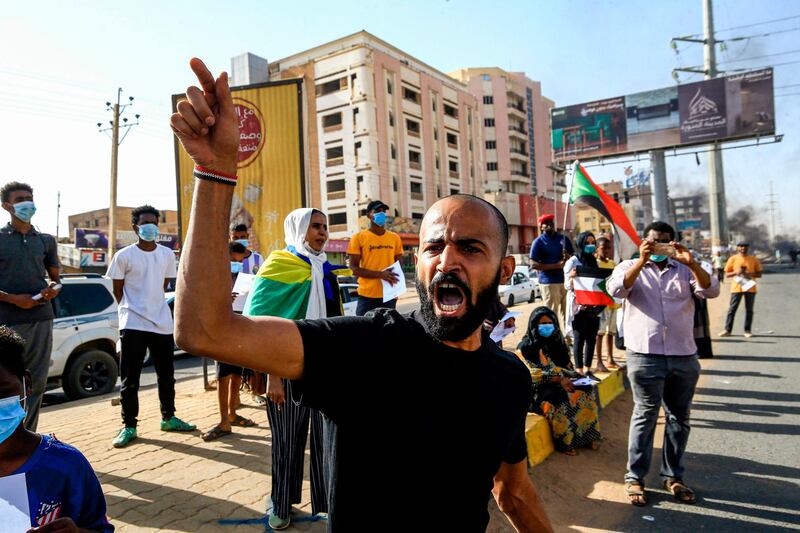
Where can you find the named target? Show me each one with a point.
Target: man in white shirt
(141, 272)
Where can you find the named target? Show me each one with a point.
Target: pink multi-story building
(516, 136)
(383, 125)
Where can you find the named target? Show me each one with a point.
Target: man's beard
(455, 328)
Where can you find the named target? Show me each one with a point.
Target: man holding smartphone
(743, 269)
(26, 257)
(663, 367)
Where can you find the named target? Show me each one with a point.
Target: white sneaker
(747, 334)
(725, 333)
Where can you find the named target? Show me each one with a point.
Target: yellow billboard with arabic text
(270, 163)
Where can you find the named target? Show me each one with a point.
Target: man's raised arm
(205, 323)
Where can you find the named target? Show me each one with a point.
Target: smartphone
(662, 248)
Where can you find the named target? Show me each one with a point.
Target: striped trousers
(289, 428)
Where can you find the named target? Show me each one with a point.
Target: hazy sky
(62, 61)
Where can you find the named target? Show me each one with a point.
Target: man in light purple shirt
(658, 320)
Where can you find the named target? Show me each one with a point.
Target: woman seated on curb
(571, 413)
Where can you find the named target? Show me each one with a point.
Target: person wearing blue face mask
(252, 260)
(583, 321)
(571, 413)
(63, 491)
(140, 273)
(371, 252)
(25, 294)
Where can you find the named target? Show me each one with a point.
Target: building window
(417, 216)
(388, 86)
(452, 140)
(337, 219)
(410, 95)
(492, 166)
(435, 134)
(414, 160)
(486, 77)
(433, 103)
(332, 121)
(334, 156)
(438, 191)
(491, 145)
(416, 187)
(436, 161)
(488, 122)
(450, 111)
(454, 191)
(412, 126)
(331, 86)
(453, 168)
(336, 185)
(488, 100)
(391, 119)
(394, 183)
(394, 152)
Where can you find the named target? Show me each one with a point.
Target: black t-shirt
(420, 428)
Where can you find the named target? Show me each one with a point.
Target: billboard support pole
(660, 201)
(716, 175)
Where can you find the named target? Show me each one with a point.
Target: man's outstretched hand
(206, 121)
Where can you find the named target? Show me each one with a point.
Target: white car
(533, 275)
(520, 288)
(349, 293)
(84, 358)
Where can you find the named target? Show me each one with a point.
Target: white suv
(84, 359)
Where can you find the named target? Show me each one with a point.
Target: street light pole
(112, 202)
(117, 110)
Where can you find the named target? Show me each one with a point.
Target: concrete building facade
(516, 122)
(382, 124)
(98, 219)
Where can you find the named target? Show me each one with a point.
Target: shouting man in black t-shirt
(429, 414)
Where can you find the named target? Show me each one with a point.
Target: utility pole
(771, 203)
(716, 175)
(58, 212)
(117, 110)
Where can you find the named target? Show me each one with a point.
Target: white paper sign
(14, 504)
(244, 282)
(390, 292)
(745, 284)
(500, 331)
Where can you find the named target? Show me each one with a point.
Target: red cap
(545, 218)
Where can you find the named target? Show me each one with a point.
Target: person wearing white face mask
(27, 256)
(252, 260)
(141, 273)
(62, 489)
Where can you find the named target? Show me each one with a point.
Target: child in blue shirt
(64, 494)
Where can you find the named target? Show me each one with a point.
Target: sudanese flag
(585, 191)
(589, 285)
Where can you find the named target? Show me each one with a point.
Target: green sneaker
(124, 437)
(278, 523)
(176, 424)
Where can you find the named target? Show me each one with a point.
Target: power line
(787, 94)
(759, 57)
(759, 23)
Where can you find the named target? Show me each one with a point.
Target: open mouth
(449, 298)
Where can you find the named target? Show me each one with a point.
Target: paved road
(744, 451)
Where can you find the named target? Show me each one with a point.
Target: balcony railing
(518, 107)
(518, 129)
(520, 173)
(453, 174)
(415, 165)
(519, 151)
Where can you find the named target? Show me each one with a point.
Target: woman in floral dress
(571, 413)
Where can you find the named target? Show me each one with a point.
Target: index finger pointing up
(204, 76)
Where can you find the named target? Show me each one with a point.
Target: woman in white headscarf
(296, 282)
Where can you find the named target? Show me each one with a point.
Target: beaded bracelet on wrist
(216, 176)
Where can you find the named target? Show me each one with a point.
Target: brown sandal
(636, 494)
(680, 491)
(215, 433)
